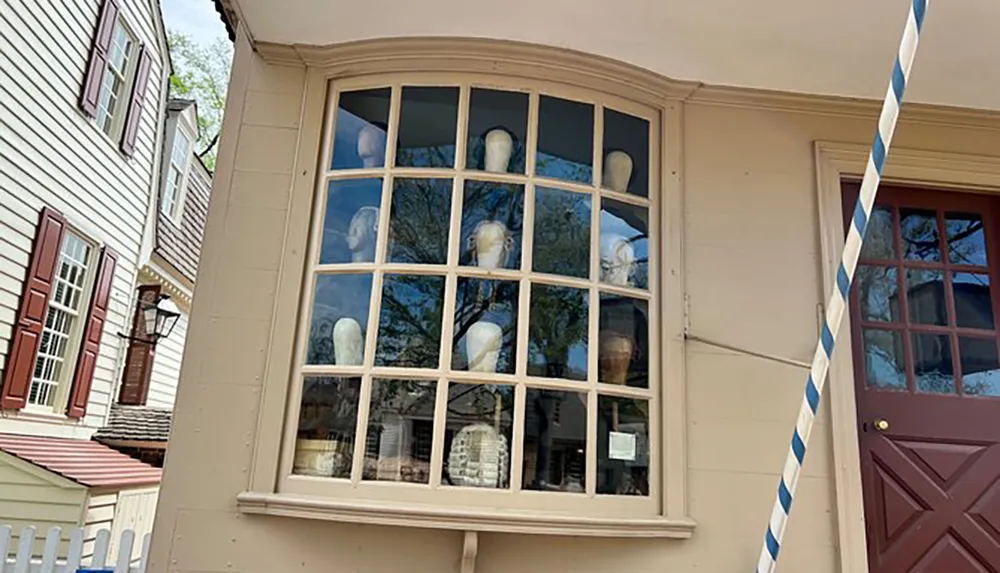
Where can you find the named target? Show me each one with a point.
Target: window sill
(463, 519)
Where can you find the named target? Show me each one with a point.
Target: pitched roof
(136, 423)
(85, 462)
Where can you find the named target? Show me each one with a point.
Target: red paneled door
(925, 320)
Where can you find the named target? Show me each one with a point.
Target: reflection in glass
(477, 436)
(562, 233)
(885, 359)
(492, 220)
(498, 129)
(878, 291)
(973, 304)
(622, 446)
(880, 240)
(428, 120)
(409, 331)
(557, 332)
(966, 239)
(362, 120)
(400, 431)
(565, 140)
(932, 363)
(623, 346)
(485, 326)
(419, 221)
(350, 225)
(339, 319)
(327, 424)
(980, 366)
(555, 440)
(925, 296)
(920, 234)
(626, 153)
(624, 249)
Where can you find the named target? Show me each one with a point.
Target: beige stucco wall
(753, 275)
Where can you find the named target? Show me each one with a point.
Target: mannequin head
(491, 244)
(362, 233)
(499, 147)
(617, 171)
(371, 146)
(617, 259)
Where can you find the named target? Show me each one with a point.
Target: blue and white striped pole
(838, 300)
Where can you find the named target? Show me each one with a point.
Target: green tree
(201, 73)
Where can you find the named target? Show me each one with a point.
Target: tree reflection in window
(410, 321)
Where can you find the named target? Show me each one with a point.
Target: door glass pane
(428, 122)
(498, 130)
(878, 290)
(880, 240)
(624, 248)
(555, 440)
(478, 429)
(492, 221)
(350, 226)
(980, 366)
(973, 303)
(324, 446)
(966, 239)
(562, 233)
(557, 332)
(400, 431)
(623, 346)
(419, 221)
(362, 122)
(565, 140)
(885, 359)
(409, 330)
(932, 363)
(925, 297)
(622, 446)
(626, 153)
(485, 326)
(339, 321)
(920, 234)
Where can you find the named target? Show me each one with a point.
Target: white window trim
(123, 103)
(180, 128)
(266, 494)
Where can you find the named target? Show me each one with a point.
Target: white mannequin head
(348, 343)
(371, 146)
(499, 147)
(617, 171)
(617, 259)
(491, 244)
(482, 346)
(361, 234)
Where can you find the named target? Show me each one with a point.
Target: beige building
(531, 288)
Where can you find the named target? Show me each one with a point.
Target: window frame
(176, 210)
(122, 100)
(531, 67)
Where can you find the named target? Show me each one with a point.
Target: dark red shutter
(140, 355)
(27, 336)
(90, 347)
(98, 57)
(132, 119)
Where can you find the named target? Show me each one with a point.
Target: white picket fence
(24, 562)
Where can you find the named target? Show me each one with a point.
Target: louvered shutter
(90, 348)
(134, 116)
(98, 57)
(139, 358)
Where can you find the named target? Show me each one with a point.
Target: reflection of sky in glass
(345, 198)
(980, 366)
(973, 303)
(419, 221)
(409, 332)
(562, 233)
(920, 234)
(932, 365)
(336, 297)
(884, 361)
(879, 292)
(557, 332)
(565, 140)
(629, 221)
(359, 109)
(490, 301)
(428, 120)
(486, 201)
(966, 239)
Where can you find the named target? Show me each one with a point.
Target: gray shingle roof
(136, 423)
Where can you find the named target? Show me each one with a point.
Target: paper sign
(621, 446)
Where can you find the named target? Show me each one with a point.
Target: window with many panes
(113, 102)
(180, 157)
(480, 311)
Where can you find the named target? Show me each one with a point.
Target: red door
(924, 316)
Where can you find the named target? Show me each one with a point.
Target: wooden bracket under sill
(463, 519)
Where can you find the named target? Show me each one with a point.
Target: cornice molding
(182, 297)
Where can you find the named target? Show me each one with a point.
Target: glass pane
(932, 363)
(361, 125)
(925, 297)
(419, 221)
(878, 290)
(623, 346)
(498, 129)
(626, 153)
(966, 239)
(565, 140)
(400, 431)
(409, 329)
(477, 435)
(555, 440)
(485, 326)
(557, 332)
(428, 123)
(880, 240)
(973, 303)
(339, 320)
(920, 234)
(622, 446)
(980, 366)
(328, 419)
(885, 359)
(350, 226)
(562, 233)
(624, 244)
(492, 220)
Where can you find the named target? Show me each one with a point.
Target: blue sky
(196, 18)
